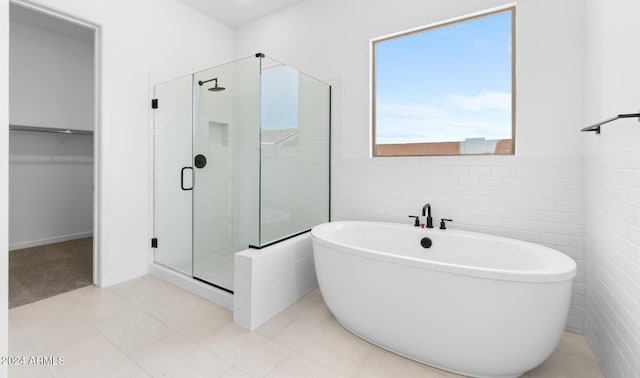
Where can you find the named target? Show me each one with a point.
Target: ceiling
(235, 13)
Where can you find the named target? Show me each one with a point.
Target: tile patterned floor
(149, 328)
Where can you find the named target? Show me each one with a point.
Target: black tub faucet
(426, 210)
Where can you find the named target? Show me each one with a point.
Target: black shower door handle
(182, 178)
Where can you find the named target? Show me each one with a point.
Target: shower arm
(206, 81)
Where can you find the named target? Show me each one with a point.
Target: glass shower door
(173, 174)
(226, 140)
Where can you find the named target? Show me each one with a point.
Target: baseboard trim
(55, 239)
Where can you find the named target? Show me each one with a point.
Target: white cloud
(412, 123)
(410, 111)
(413, 130)
(482, 101)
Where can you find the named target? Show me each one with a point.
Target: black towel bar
(596, 127)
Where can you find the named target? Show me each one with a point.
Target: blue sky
(279, 106)
(446, 84)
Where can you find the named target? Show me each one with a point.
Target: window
(446, 89)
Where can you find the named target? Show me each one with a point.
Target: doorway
(53, 153)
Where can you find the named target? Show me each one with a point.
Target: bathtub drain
(425, 243)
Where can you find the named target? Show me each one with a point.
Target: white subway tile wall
(612, 226)
(532, 198)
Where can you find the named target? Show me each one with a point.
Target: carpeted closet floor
(42, 272)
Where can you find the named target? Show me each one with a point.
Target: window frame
(438, 25)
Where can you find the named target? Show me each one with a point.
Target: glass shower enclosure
(241, 160)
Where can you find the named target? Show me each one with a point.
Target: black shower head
(215, 88)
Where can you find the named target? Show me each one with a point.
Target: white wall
(536, 195)
(612, 186)
(51, 79)
(50, 188)
(4, 186)
(143, 42)
(330, 41)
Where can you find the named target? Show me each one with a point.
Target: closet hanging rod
(596, 127)
(53, 130)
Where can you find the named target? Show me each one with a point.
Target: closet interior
(51, 155)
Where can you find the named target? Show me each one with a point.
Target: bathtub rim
(524, 276)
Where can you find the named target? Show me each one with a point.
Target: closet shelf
(596, 127)
(54, 159)
(53, 130)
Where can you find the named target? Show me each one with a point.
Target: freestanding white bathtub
(473, 304)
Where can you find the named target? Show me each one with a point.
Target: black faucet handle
(417, 222)
(443, 226)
